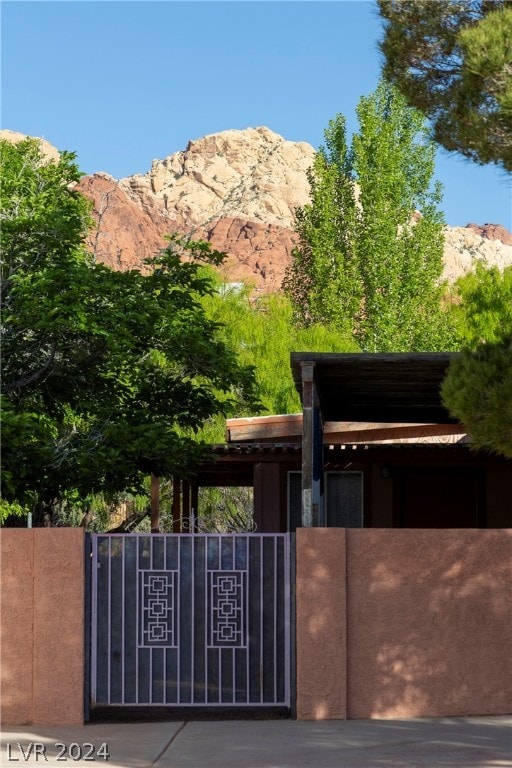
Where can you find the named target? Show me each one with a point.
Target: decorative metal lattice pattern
(157, 602)
(190, 620)
(227, 609)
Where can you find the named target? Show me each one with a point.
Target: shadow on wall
(320, 624)
(429, 623)
(42, 628)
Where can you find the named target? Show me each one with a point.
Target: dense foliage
(478, 391)
(483, 306)
(369, 260)
(478, 387)
(264, 334)
(107, 376)
(452, 61)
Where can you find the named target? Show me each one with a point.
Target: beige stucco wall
(42, 626)
(321, 623)
(389, 623)
(428, 622)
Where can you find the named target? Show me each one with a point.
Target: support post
(186, 523)
(176, 505)
(155, 504)
(267, 494)
(313, 513)
(194, 506)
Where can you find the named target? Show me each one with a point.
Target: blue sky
(121, 83)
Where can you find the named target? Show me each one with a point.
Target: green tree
(478, 392)
(371, 241)
(107, 376)
(323, 281)
(264, 334)
(478, 387)
(483, 306)
(452, 61)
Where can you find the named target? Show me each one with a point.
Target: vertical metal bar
(139, 618)
(164, 650)
(247, 592)
(287, 603)
(178, 614)
(151, 675)
(219, 676)
(276, 596)
(94, 617)
(164, 538)
(261, 619)
(207, 601)
(123, 609)
(233, 675)
(192, 619)
(151, 567)
(87, 626)
(219, 652)
(109, 591)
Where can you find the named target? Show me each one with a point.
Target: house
(373, 447)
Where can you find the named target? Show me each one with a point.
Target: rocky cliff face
(239, 190)
(466, 246)
(236, 189)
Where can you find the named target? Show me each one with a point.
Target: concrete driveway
(484, 742)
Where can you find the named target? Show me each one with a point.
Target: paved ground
(442, 743)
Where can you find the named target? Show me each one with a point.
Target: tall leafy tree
(324, 239)
(452, 61)
(107, 376)
(323, 280)
(478, 387)
(371, 240)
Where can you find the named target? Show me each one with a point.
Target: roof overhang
(391, 388)
(276, 430)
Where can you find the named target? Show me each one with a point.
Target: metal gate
(190, 620)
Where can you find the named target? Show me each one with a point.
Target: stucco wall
(42, 626)
(321, 624)
(390, 623)
(428, 622)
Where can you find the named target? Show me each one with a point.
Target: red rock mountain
(239, 190)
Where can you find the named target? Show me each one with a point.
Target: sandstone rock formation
(493, 232)
(239, 190)
(253, 175)
(49, 151)
(465, 247)
(125, 233)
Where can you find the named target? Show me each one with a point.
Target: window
(343, 499)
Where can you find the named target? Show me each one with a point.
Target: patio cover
(398, 387)
(386, 388)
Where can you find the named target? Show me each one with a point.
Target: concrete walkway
(484, 742)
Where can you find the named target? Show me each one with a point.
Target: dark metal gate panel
(190, 620)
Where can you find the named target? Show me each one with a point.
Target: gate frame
(289, 703)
